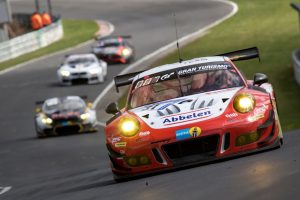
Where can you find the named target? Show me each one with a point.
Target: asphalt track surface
(76, 167)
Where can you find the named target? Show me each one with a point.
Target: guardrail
(296, 64)
(31, 41)
(296, 53)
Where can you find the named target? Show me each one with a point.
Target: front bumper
(213, 144)
(80, 79)
(68, 129)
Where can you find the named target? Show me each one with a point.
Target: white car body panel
(183, 110)
(94, 72)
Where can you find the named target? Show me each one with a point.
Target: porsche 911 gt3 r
(114, 49)
(64, 115)
(82, 68)
(191, 112)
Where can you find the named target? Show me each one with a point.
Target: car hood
(185, 110)
(79, 67)
(60, 115)
(106, 50)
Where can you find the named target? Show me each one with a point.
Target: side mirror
(112, 108)
(259, 79)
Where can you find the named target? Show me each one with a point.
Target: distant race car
(64, 115)
(82, 68)
(114, 49)
(191, 112)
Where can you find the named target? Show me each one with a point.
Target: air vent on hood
(197, 104)
(172, 109)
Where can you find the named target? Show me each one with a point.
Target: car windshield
(72, 104)
(183, 82)
(109, 44)
(75, 61)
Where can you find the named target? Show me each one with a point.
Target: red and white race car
(191, 112)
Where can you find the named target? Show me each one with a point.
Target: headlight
(65, 73)
(244, 103)
(126, 52)
(95, 71)
(129, 126)
(47, 120)
(85, 116)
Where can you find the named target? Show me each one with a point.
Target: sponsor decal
(120, 144)
(65, 115)
(169, 103)
(196, 69)
(186, 117)
(260, 110)
(116, 139)
(255, 117)
(195, 131)
(150, 80)
(145, 133)
(167, 76)
(188, 133)
(231, 115)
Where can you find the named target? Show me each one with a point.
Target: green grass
(273, 27)
(75, 32)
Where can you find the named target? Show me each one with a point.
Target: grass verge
(272, 26)
(75, 32)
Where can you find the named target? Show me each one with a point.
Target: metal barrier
(31, 41)
(296, 64)
(296, 53)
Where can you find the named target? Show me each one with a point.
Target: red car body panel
(218, 135)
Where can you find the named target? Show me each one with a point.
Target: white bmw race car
(64, 115)
(82, 68)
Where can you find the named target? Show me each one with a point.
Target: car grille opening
(67, 129)
(193, 150)
(157, 156)
(227, 141)
(80, 81)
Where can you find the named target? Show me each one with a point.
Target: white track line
(111, 29)
(5, 189)
(164, 48)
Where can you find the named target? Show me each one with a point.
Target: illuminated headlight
(47, 120)
(244, 103)
(129, 126)
(65, 73)
(85, 116)
(95, 71)
(126, 52)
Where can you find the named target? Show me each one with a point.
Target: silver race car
(82, 68)
(64, 115)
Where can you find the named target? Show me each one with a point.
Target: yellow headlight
(85, 116)
(125, 52)
(65, 73)
(244, 103)
(129, 126)
(47, 120)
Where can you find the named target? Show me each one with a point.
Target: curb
(107, 30)
(161, 52)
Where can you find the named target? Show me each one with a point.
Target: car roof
(87, 55)
(194, 61)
